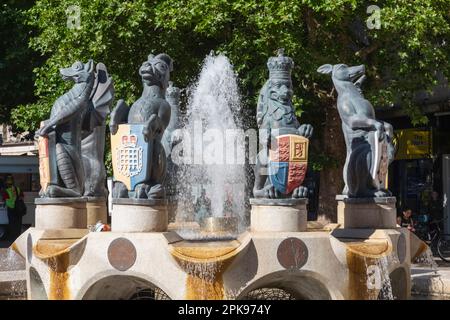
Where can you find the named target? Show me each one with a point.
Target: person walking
(10, 195)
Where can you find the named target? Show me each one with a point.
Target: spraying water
(212, 178)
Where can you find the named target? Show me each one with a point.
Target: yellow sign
(412, 144)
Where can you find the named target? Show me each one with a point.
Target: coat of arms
(129, 155)
(47, 165)
(288, 160)
(380, 162)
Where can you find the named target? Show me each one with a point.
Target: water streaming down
(378, 280)
(213, 150)
(383, 265)
(427, 259)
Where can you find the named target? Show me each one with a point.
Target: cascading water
(212, 179)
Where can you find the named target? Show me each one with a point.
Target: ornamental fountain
(280, 255)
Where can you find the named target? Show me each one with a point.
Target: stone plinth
(97, 210)
(139, 215)
(61, 213)
(278, 215)
(374, 213)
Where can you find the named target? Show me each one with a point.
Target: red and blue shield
(288, 160)
(130, 155)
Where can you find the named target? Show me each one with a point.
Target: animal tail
(65, 168)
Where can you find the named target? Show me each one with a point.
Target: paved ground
(12, 275)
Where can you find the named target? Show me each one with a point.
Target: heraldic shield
(130, 155)
(380, 160)
(44, 162)
(48, 173)
(288, 160)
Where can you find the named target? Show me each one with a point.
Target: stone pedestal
(61, 213)
(373, 213)
(139, 215)
(278, 215)
(97, 210)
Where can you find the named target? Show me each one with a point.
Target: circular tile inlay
(401, 248)
(292, 253)
(122, 254)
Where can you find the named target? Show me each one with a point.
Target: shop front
(25, 171)
(420, 175)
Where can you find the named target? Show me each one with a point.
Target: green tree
(401, 56)
(17, 60)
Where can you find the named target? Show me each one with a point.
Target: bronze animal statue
(368, 140)
(276, 120)
(151, 112)
(66, 176)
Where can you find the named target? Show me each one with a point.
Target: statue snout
(356, 71)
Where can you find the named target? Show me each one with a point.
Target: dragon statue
(73, 119)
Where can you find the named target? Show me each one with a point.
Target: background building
(19, 157)
(422, 159)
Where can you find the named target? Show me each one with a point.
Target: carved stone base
(61, 213)
(139, 215)
(278, 215)
(373, 213)
(97, 210)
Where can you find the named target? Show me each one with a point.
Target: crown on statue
(280, 67)
(172, 92)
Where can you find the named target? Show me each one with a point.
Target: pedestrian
(10, 194)
(406, 220)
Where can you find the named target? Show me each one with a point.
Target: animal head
(277, 90)
(156, 70)
(280, 90)
(79, 72)
(344, 73)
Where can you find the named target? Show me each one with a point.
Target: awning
(19, 164)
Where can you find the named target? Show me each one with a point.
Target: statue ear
(325, 69)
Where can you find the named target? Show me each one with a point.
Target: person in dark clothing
(406, 220)
(10, 195)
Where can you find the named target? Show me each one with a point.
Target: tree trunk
(331, 180)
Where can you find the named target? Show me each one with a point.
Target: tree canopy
(17, 60)
(401, 56)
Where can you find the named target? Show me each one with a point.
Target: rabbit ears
(325, 69)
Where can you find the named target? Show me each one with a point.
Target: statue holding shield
(281, 165)
(139, 160)
(280, 199)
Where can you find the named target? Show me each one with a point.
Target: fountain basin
(307, 265)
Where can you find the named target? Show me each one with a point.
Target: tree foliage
(401, 57)
(16, 58)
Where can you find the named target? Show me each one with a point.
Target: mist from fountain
(213, 150)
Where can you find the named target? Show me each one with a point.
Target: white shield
(380, 161)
